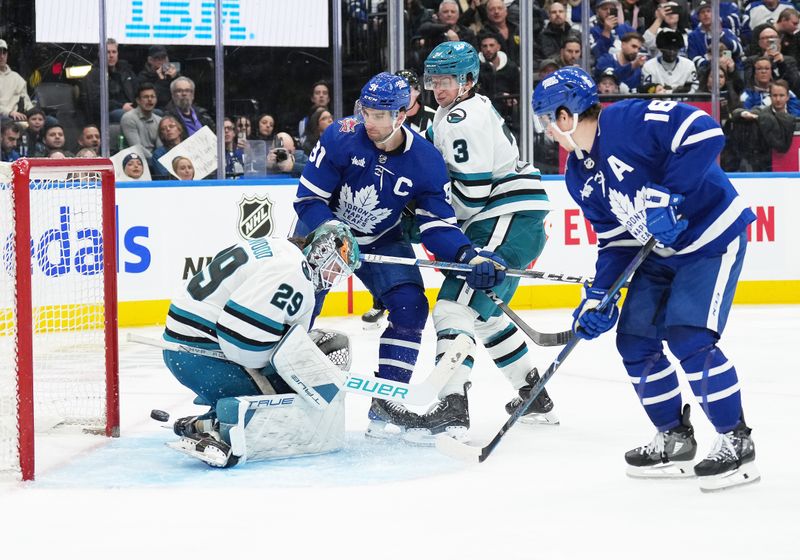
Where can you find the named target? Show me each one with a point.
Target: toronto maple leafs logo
(630, 213)
(360, 208)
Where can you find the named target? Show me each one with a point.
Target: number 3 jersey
(244, 301)
(666, 143)
(348, 178)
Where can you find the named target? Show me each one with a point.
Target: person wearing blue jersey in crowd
(500, 205)
(364, 171)
(642, 168)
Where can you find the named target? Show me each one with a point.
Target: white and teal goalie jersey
(486, 176)
(244, 301)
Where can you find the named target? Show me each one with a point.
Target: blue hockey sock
(654, 379)
(399, 347)
(711, 375)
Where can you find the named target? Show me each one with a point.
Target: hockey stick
(464, 451)
(540, 338)
(463, 267)
(368, 385)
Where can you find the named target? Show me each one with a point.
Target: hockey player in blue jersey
(363, 172)
(500, 204)
(642, 168)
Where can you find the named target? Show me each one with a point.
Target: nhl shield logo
(255, 217)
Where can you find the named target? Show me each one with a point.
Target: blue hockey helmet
(385, 91)
(569, 87)
(454, 58)
(332, 253)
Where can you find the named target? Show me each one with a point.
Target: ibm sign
(255, 23)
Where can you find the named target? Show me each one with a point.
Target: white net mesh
(67, 305)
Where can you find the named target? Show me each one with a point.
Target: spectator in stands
(265, 128)
(183, 168)
(570, 54)
(633, 15)
(626, 63)
(244, 126)
(10, 132)
(728, 13)
(756, 93)
(320, 97)
(761, 12)
(444, 26)
(133, 166)
(90, 137)
(787, 27)
(547, 67)
(14, 99)
(700, 39)
(53, 139)
(497, 22)
(668, 15)
(676, 73)
(552, 37)
(171, 133)
(234, 150)
(140, 126)
(58, 154)
(499, 76)
(121, 86)
(728, 92)
(182, 106)
(607, 30)
(783, 100)
(608, 83)
(756, 132)
(284, 158)
(418, 115)
(160, 72)
(318, 121)
(782, 67)
(86, 153)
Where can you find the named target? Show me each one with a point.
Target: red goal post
(58, 324)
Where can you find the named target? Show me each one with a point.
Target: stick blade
(458, 450)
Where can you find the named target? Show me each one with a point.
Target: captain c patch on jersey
(255, 217)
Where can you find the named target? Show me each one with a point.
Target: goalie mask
(332, 254)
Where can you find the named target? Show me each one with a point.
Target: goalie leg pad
(306, 369)
(279, 426)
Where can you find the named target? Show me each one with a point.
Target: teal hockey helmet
(453, 58)
(332, 253)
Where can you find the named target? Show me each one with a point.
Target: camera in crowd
(281, 153)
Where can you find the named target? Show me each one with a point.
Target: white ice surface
(546, 492)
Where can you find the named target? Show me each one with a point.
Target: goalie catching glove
(488, 268)
(589, 322)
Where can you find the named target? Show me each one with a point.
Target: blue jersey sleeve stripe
(700, 136)
(256, 319)
(610, 233)
(314, 189)
(436, 224)
(677, 140)
(718, 226)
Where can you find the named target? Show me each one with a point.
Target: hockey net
(58, 324)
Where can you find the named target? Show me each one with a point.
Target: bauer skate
(389, 419)
(731, 461)
(669, 455)
(374, 318)
(540, 410)
(450, 416)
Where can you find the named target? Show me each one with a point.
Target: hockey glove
(589, 322)
(662, 221)
(488, 269)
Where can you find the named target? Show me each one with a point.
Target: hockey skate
(450, 416)
(374, 318)
(189, 426)
(669, 455)
(208, 447)
(541, 409)
(389, 419)
(731, 461)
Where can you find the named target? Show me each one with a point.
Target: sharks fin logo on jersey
(456, 115)
(347, 125)
(255, 217)
(359, 208)
(630, 213)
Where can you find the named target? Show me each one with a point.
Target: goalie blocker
(310, 420)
